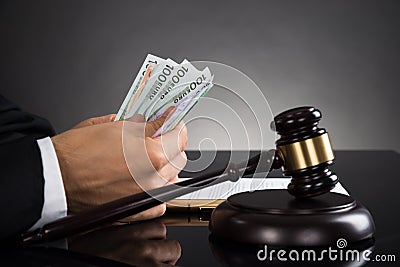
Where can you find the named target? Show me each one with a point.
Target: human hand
(99, 156)
(96, 120)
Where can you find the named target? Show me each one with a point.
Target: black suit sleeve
(21, 171)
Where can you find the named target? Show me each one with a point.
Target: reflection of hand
(93, 165)
(140, 244)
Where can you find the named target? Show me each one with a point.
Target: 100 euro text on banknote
(162, 83)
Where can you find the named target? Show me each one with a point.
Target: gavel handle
(133, 204)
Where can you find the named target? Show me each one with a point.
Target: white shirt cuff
(55, 202)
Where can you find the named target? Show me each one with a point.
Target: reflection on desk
(137, 244)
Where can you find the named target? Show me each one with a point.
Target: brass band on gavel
(306, 153)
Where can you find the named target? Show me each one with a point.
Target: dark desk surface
(371, 177)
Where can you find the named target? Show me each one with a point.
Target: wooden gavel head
(304, 151)
(275, 218)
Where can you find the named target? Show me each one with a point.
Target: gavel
(303, 151)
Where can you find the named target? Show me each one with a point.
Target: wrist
(62, 156)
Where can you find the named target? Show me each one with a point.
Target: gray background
(69, 60)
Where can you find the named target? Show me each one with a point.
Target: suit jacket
(21, 171)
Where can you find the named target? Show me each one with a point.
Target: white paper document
(226, 189)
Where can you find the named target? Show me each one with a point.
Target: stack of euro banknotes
(162, 83)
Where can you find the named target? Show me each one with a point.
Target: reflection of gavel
(303, 150)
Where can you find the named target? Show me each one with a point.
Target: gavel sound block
(310, 215)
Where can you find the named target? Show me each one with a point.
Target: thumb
(136, 118)
(153, 126)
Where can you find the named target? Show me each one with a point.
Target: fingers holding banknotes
(165, 153)
(99, 156)
(167, 156)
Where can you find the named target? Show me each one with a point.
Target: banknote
(153, 86)
(150, 59)
(181, 110)
(185, 90)
(162, 83)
